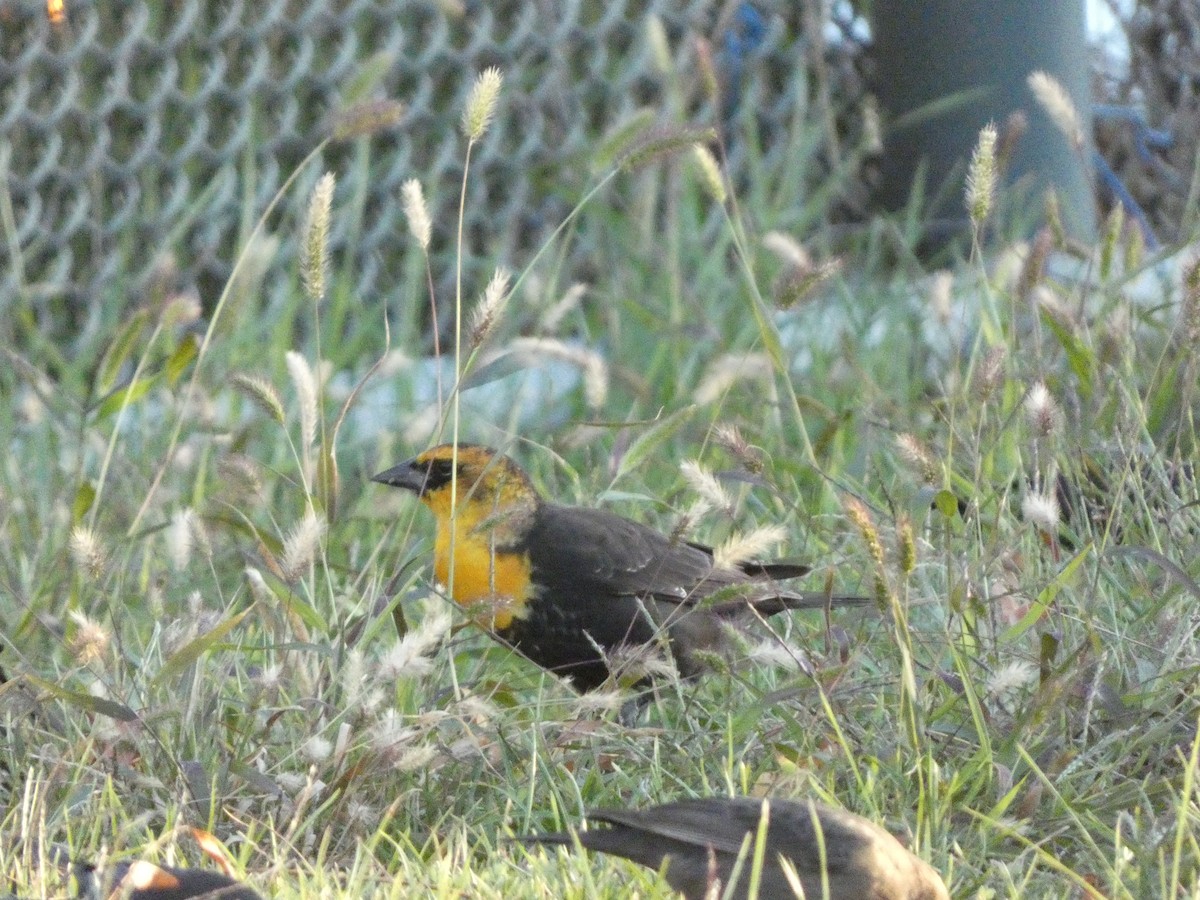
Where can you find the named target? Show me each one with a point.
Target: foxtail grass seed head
(727, 370)
(981, 177)
(1041, 411)
(180, 539)
(706, 485)
(365, 119)
(917, 455)
(259, 589)
(411, 657)
(591, 364)
(789, 250)
(87, 553)
(314, 241)
(752, 545)
(260, 392)
(90, 641)
(1114, 227)
(660, 46)
(1033, 267)
(481, 103)
(795, 284)
(860, 517)
(1054, 99)
(487, 311)
(1041, 511)
(180, 309)
(710, 173)
(990, 374)
(708, 71)
(1014, 129)
(908, 545)
(662, 143)
(301, 546)
(941, 295)
(416, 212)
(240, 477)
(305, 383)
(1190, 312)
(684, 524)
(1013, 676)
(749, 457)
(1054, 218)
(570, 300)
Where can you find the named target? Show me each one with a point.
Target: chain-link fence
(137, 129)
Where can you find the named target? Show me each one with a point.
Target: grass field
(212, 618)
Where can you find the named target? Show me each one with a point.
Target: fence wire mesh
(150, 130)
(137, 128)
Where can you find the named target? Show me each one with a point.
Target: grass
(213, 619)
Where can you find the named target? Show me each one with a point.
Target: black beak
(408, 475)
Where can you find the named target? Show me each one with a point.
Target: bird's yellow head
(484, 504)
(478, 487)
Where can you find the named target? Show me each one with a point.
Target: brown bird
(700, 841)
(566, 585)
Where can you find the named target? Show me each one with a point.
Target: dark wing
(717, 822)
(593, 554)
(723, 823)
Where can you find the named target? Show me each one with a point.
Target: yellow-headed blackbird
(566, 585)
(700, 841)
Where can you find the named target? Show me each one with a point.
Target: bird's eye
(441, 471)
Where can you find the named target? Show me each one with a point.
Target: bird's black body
(613, 582)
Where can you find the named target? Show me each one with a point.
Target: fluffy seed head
(1041, 410)
(1012, 676)
(750, 457)
(990, 374)
(487, 311)
(87, 552)
(305, 383)
(1041, 511)
(301, 546)
(416, 212)
(704, 483)
(981, 176)
(481, 104)
(710, 173)
(180, 539)
(1057, 103)
(261, 392)
(90, 640)
(314, 241)
(366, 118)
(740, 548)
(411, 656)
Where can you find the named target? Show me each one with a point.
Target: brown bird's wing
(863, 862)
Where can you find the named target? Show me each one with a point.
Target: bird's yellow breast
(496, 584)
